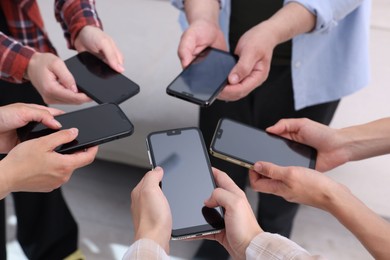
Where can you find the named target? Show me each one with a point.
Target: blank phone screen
(187, 180)
(204, 77)
(96, 125)
(99, 81)
(248, 144)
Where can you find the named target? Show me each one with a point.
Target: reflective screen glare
(252, 145)
(205, 75)
(100, 81)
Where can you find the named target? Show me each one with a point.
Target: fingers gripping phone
(245, 145)
(188, 181)
(96, 125)
(99, 81)
(204, 78)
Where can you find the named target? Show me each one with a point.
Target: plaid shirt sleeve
(14, 59)
(73, 15)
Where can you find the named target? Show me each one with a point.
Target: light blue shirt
(330, 62)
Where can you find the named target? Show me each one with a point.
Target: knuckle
(238, 202)
(244, 68)
(292, 172)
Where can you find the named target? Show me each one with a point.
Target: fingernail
(74, 88)
(234, 79)
(258, 167)
(121, 68)
(58, 124)
(74, 131)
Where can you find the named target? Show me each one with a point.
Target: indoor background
(147, 32)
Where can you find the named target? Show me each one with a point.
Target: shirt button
(297, 64)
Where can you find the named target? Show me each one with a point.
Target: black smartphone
(98, 81)
(188, 181)
(97, 125)
(244, 145)
(202, 80)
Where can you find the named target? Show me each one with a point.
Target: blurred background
(147, 32)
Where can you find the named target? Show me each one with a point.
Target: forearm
(291, 20)
(4, 182)
(367, 140)
(371, 230)
(75, 15)
(207, 10)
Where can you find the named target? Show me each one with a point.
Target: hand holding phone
(202, 80)
(96, 125)
(187, 181)
(99, 81)
(245, 145)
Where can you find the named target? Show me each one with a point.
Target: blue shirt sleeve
(329, 12)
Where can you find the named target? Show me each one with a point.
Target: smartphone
(244, 145)
(188, 181)
(202, 80)
(98, 81)
(97, 125)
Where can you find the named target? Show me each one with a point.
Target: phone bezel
(65, 148)
(247, 163)
(75, 65)
(188, 96)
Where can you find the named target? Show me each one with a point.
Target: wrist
(207, 10)
(160, 236)
(240, 252)
(5, 186)
(271, 31)
(333, 197)
(31, 65)
(218, 1)
(346, 143)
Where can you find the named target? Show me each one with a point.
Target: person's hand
(17, 115)
(199, 35)
(151, 213)
(256, 46)
(254, 50)
(240, 223)
(97, 42)
(52, 79)
(34, 166)
(294, 184)
(327, 141)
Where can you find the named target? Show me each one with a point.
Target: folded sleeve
(328, 12)
(274, 247)
(14, 59)
(145, 249)
(73, 15)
